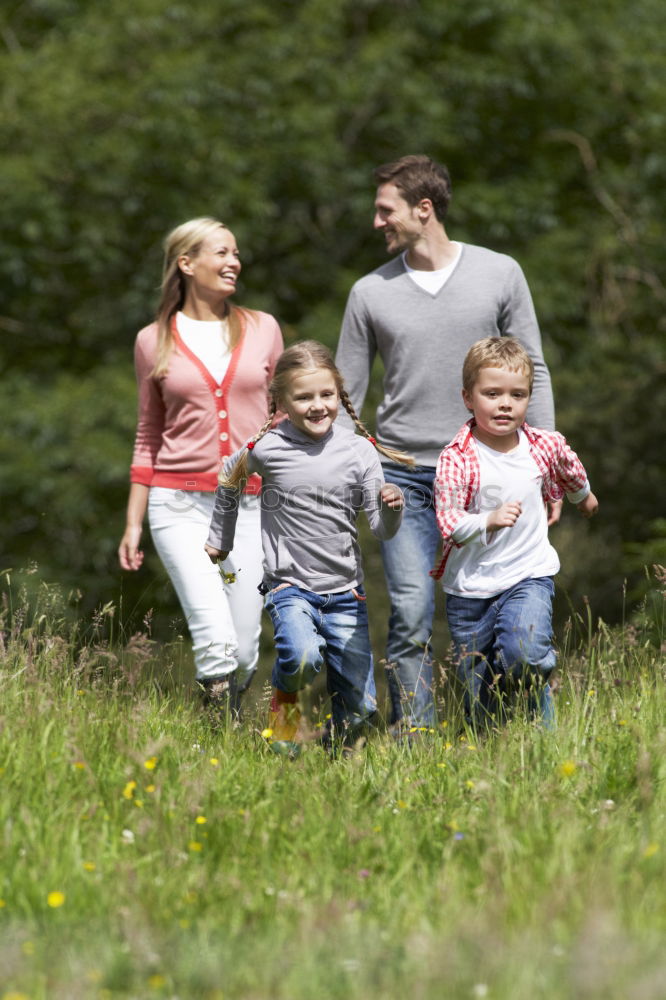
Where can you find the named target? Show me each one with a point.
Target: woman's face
(213, 272)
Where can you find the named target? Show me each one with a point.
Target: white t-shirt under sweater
(208, 340)
(489, 563)
(432, 281)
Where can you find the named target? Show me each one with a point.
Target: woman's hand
(215, 555)
(129, 553)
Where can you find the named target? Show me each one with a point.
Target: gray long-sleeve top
(423, 338)
(312, 492)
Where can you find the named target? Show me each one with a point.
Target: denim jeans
(502, 642)
(408, 558)
(313, 629)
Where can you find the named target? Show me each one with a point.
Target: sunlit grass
(147, 853)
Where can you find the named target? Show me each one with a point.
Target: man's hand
(391, 496)
(589, 506)
(505, 516)
(215, 555)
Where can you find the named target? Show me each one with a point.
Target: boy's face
(498, 400)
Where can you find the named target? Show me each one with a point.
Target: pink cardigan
(187, 421)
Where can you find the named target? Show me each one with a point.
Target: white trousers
(224, 619)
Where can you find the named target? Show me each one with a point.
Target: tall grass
(147, 853)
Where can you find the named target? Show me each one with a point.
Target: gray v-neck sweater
(422, 340)
(311, 494)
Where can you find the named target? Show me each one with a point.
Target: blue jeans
(408, 558)
(313, 629)
(502, 642)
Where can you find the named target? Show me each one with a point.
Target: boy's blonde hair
(304, 356)
(496, 352)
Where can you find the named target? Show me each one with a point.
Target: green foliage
(119, 121)
(524, 864)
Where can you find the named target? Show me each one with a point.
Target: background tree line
(121, 120)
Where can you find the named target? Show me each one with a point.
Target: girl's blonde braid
(238, 475)
(390, 453)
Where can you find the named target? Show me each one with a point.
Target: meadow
(148, 853)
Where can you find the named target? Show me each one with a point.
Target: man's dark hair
(418, 177)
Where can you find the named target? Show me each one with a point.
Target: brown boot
(283, 719)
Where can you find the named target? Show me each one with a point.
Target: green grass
(195, 864)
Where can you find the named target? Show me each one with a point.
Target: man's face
(398, 221)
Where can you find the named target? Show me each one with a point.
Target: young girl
(317, 476)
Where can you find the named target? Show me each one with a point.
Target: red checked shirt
(457, 479)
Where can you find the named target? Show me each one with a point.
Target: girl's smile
(311, 402)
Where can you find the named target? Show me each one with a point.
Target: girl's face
(311, 401)
(214, 271)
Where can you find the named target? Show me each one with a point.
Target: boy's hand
(504, 516)
(391, 496)
(215, 554)
(589, 506)
(554, 508)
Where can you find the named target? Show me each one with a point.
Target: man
(421, 312)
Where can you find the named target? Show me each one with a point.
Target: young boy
(491, 486)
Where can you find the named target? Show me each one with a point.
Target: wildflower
(79, 765)
(138, 803)
(402, 805)
(364, 873)
(127, 837)
(568, 768)
(13, 995)
(201, 820)
(266, 733)
(195, 845)
(128, 790)
(469, 784)
(55, 899)
(214, 761)
(591, 693)
(150, 789)
(150, 764)
(458, 835)
(622, 722)
(2, 904)
(441, 765)
(444, 724)
(89, 866)
(650, 850)
(156, 982)
(28, 947)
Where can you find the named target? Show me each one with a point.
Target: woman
(203, 369)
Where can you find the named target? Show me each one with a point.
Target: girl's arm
(383, 502)
(225, 514)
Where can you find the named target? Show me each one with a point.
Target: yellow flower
(444, 724)
(138, 803)
(567, 768)
(2, 904)
(214, 761)
(195, 845)
(402, 804)
(13, 995)
(650, 850)
(441, 765)
(89, 866)
(28, 947)
(469, 784)
(267, 733)
(150, 764)
(150, 789)
(79, 765)
(128, 790)
(55, 899)
(156, 982)
(201, 820)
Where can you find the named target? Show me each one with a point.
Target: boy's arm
(453, 495)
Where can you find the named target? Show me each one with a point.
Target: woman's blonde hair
(184, 241)
(496, 352)
(304, 356)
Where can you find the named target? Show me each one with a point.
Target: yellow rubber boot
(283, 719)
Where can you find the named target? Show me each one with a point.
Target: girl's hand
(130, 555)
(215, 554)
(589, 506)
(504, 516)
(391, 496)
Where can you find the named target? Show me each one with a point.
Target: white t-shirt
(489, 563)
(432, 281)
(208, 340)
